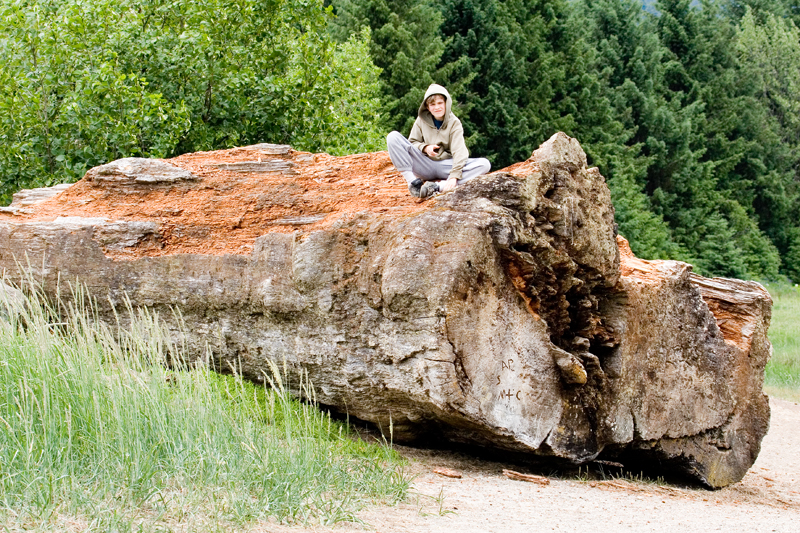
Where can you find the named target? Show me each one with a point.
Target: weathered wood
(276, 166)
(33, 196)
(530, 478)
(139, 171)
(271, 149)
(502, 315)
(299, 221)
(447, 472)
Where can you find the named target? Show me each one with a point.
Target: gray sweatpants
(405, 157)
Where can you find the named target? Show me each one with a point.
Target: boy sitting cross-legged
(434, 158)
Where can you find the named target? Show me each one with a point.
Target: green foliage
(782, 376)
(622, 52)
(633, 63)
(65, 102)
(792, 255)
(252, 71)
(769, 54)
(95, 427)
(350, 119)
(83, 82)
(646, 232)
(505, 50)
(701, 152)
(405, 44)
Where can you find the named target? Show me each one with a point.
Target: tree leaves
(83, 82)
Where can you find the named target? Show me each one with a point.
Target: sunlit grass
(782, 377)
(98, 434)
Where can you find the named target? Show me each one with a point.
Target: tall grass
(98, 434)
(782, 377)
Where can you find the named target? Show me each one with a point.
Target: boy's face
(437, 107)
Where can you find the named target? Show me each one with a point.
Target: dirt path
(483, 500)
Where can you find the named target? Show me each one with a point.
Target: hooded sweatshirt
(449, 136)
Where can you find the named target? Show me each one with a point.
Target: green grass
(782, 377)
(97, 434)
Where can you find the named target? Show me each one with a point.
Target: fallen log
(501, 314)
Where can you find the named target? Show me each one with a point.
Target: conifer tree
(406, 44)
(502, 47)
(632, 61)
(769, 54)
(671, 77)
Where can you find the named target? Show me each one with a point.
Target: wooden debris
(446, 472)
(34, 196)
(275, 166)
(518, 476)
(271, 149)
(621, 485)
(298, 221)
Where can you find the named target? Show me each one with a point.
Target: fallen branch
(517, 476)
(446, 472)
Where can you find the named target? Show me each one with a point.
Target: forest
(690, 109)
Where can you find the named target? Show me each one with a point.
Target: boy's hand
(448, 185)
(431, 150)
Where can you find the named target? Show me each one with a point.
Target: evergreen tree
(736, 9)
(502, 47)
(673, 77)
(603, 118)
(632, 61)
(406, 45)
(769, 53)
(705, 211)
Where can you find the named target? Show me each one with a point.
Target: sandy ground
(484, 500)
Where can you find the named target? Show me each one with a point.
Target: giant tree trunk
(498, 314)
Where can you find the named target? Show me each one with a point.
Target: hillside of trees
(691, 109)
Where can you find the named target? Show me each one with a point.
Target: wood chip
(619, 485)
(275, 166)
(298, 221)
(446, 472)
(517, 476)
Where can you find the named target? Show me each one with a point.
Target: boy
(434, 158)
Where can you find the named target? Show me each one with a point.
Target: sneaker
(414, 187)
(428, 189)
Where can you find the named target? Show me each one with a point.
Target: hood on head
(423, 112)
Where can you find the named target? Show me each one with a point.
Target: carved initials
(509, 394)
